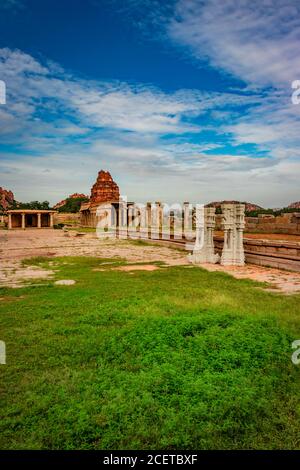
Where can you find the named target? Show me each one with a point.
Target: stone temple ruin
(105, 190)
(107, 211)
(209, 235)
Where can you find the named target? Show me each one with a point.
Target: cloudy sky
(181, 100)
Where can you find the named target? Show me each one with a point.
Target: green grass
(83, 229)
(170, 359)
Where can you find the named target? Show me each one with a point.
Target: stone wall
(276, 254)
(286, 223)
(66, 218)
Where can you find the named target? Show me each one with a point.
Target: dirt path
(17, 245)
(279, 280)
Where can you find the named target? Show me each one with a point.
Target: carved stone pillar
(156, 220)
(131, 220)
(134, 221)
(210, 222)
(51, 220)
(122, 219)
(39, 222)
(228, 220)
(23, 221)
(149, 218)
(203, 251)
(9, 222)
(187, 228)
(172, 225)
(143, 221)
(240, 225)
(233, 226)
(159, 216)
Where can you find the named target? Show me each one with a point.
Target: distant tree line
(33, 205)
(71, 205)
(256, 212)
(274, 212)
(26, 205)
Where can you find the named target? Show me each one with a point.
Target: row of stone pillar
(148, 221)
(150, 218)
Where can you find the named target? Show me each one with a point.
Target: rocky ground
(17, 245)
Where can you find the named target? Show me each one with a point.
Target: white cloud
(32, 88)
(68, 128)
(257, 41)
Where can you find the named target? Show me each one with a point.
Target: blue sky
(180, 100)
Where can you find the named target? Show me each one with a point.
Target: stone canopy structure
(29, 218)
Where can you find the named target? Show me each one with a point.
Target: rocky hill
(6, 199)
(294, 205)
(72, 196)
(248, 205)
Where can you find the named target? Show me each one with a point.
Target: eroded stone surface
(13, 274)
(6, 198)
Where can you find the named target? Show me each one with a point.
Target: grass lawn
(83, 229)
(175, 358)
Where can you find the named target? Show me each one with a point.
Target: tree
(33, 205)
(72, 204)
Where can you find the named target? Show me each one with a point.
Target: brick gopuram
(105, 191)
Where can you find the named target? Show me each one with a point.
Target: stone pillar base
(200, 257)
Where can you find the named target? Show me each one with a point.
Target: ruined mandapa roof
(30, 211)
